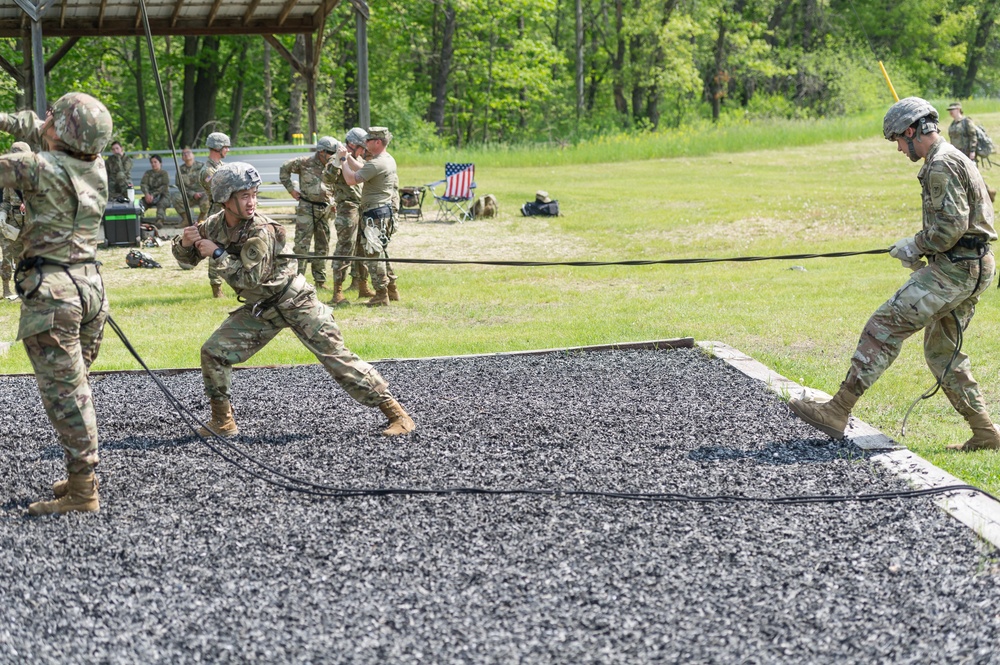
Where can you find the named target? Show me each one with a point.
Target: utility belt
(42, 266)
(294, 286)
(379, 213)
(318, 204)
(977, 243)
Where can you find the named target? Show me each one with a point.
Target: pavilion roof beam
(286, 10)
(249, 12)
(14, 72)
(296, 64)
(213, 12)
(177, 13)
(100, 15)
(63, 49)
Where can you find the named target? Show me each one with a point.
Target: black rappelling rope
(250, 465)
(588, 264)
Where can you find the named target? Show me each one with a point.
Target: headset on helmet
(82, 122)
(217, 141)
(233, 177)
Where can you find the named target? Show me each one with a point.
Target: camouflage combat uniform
(119, 176)
(157, 183)
(957, 216)
(311, 213)
(210, 208)
(11, 204)
(191, 175)
(962, 134)
(64, 308)
(275, 297)
(348, 200)
(378, 210)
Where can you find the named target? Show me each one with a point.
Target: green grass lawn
(825, 197)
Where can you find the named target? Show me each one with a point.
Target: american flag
(460, 178)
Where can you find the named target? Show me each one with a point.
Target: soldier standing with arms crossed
(245, 246)
(63, 305)
(190, 173)
(378, 218)
(119, 167)
(218, 148)
(11, 222)
(940, 296)
(311, 213)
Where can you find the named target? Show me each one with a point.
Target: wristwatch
(217, 253)
(343, 159)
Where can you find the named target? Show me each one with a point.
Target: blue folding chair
(459, 192)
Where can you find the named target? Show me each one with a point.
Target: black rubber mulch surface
(191, 560)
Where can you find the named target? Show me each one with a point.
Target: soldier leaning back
(245, 246)
(940, 296)
(63, 305)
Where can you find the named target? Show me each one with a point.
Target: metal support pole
(38, 65)
(364, 108)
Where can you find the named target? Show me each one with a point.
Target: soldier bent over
(245, 246)
(63, 306)
(941, 295)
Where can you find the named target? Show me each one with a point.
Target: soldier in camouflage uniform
(63, 306)
(245, 246)
(119, 166)
(962, 134)
(313, 209)
(11, 222)
(218, 148)
(379, 202)
(190, 174)
(156, 190)
(941, 295)
(348, 199)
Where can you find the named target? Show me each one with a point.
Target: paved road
(267, 164)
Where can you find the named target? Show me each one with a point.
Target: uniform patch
(938, 187)
(253, 252)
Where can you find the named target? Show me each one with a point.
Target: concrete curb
(978, 512)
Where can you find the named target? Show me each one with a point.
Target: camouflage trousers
(160, 202)
(380, 271)
(927, 302)
(312, 221)
(11, 251)
(62, 326)
(346, 225)
(116, 192)
(243, 334)
(196, 207)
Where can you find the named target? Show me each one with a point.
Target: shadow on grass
(808, 451)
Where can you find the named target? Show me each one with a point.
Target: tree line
(469, 72)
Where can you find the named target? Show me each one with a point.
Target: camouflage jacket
(955, 200)
(207, 171)
(310, 172)
(65, 200)
(249, 264)
(24, 126)
(380, 182)
(962, 134)
(11, 204)
(156, 183)
(191, 175)
(348, 197)
(119, 170)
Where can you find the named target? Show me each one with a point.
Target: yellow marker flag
(887, 81)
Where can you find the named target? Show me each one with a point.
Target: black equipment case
(121, 224)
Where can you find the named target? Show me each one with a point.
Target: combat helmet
(82, 122)
(356, 136)
(328, 144)
(904, 113)
(217, 141)
(233, 177)
(19, 146)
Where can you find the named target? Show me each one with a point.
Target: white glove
(907, 252)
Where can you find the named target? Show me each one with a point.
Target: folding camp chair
(411, 203)
(456, 203)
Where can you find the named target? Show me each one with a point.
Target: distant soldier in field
(312, 212)
(941, 295)
(348, 200)
(190, 174)
(218, 147)
(378, 216)
(962, 134)
(63, 305)
(119, 167)
(11, 222)
(245, 246)
(156, 190)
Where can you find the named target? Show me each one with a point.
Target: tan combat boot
(80, 496)
(393, 293)
(217, 291)
(364, 291)
(222, 422)
(61, 487)
(993, 194)
(338, 298)
(399, 420)
(321, 286)
(355, 284)
(828, 417)
(379, 299)
(984, 435)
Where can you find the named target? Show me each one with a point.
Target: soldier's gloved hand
(906, 251)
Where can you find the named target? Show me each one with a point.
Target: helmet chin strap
(913, 153)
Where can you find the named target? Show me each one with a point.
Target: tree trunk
(206, 86)
(439, 79)
(720, 79)
(298, 88)
(268, 109)
(140, 96)
(579, 59)
(618, 63)
(187, 123)
(987, 18)
(236, 104)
